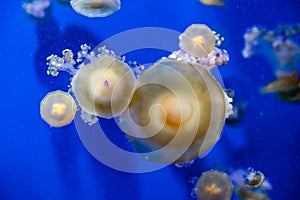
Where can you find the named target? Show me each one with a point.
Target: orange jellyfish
(58, 108)
(104, 87)
(214, 185)
(95, 8)
(197, 40)
(176, 113)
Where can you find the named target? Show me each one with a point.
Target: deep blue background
(39, 162)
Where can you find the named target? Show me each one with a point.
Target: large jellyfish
(96, 8)
(58, 108)
(177, 111)
(183, 104)
(213, 185)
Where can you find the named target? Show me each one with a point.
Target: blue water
(39, 162)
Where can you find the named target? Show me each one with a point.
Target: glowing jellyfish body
(212, 2)
(95, 8)
(177, 112)
(197, 40)
(104, 87)
(58, 108)
(214, 185)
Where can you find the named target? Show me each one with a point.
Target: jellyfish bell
(214, 185)
(212, 2)
(58, 108)
(95, 8)
(104, 86)
(177, 112)
(197, 40)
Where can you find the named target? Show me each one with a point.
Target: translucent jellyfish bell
(214, 185)
(58, 108)
(104, 87)
(177, 112)
(96, 8)
(197, 40)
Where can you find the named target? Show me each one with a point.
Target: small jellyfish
(104, 86)
(176, 113)
(96, 8)
(58, 108)
(212, 2)
(214, 185)
(288, 88)
(197, 40)
(254, 179)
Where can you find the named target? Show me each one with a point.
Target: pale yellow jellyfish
(214, 185)
(197, 40)
(95, 8)
(58, 108)
(177, 112)
(104, 87)
(212, 2)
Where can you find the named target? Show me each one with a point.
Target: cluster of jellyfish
(280, 47)
(175, 108)
(217, 185)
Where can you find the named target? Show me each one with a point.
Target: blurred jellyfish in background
(212, 2)
(38, 9)
(95, 8)
(281, 48)
(58, 108)
(250, 184)
(212, 185)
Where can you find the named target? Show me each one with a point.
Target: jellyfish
(96, 8)
(104, 86)
(212, 2)
(200, 45)
(287, 88)
(254, 179)
(214, 185)
(250, 184)
(280, 47)
(197, 40)
(177, 112)
(58, 108)
(37, 8)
